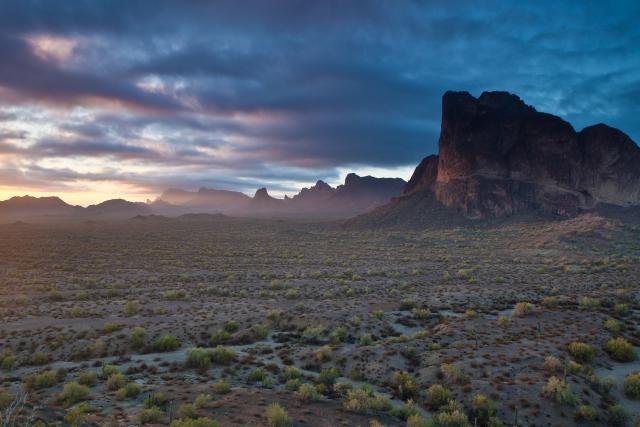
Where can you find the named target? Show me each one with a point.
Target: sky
(121, 98)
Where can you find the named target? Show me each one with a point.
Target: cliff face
(498, 156)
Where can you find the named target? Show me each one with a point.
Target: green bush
(150, 416)
(483, 406)
(129, 391)
(256, 375)
(231, 326)
(222, 386)
(201, 400)
(522, 309)
(613, 326)
(40, 380)
(87, 378)
(198, 358)
(167, 343)
(107, 370)
(5, 399)
(137, 337)
(307, 393)
(222, 356)
(73, 392)
(617, 416)
(404, 385)
(451, 415)
(260, 332)
(187, 410)
(631, 385)
(155, 399)
(115, 381)
(198, 422)
(437, 396)
(220, 337)
(582, 352)
(559, 390)
(620, 349)
(131, 308)
(39, 358)
(621, 309)
(7, 359)
(276, 416)
(586, 412)
(363, 400)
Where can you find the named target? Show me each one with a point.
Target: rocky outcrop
(498, 156)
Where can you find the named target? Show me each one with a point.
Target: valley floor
(158, 321)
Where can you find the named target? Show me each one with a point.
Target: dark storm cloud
(250, 86)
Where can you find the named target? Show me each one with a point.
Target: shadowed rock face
(498, 156)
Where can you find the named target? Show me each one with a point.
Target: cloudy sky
(104, 99)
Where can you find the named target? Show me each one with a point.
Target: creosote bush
(276, 416)
(582, 352)
(522, 309)
(166, 342)
(620, 349)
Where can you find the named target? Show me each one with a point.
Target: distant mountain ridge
(355, 196)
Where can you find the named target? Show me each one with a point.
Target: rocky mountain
(357, 195)
(498, 156)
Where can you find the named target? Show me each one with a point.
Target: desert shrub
(324, 354)
(365, 340)
(312, 334)
(328, 376)
(404, 385)
(39, 358)
(291, 294)
(137, 337)
(166, 342)
(405, 410)
(407, 304)
(131, 308)
(290, 373)
(198, 358)
(256, 375)
(276, 416)
(7, 359)
(559, 390)
(307, 393)
(552, 364)
(613, 326)
(187, 410)
(87, 378)
(616, 415)
(174, 295)
(363, 400)
(621, 309)
(483, 407)
(77, 415)
(231, 326)
(107, 370)
(129, 391)
(201, 400)
(620, 349)
(437, 396)
(420, 313)
(417, 421)
(259, 331)
(549, 302)
(150, 415)
(220, 337)
(274, 315)
(292, 385)
(115, 381)
(586, 412)
(453, 374)
(73, 392)
(110, 327)
(451, 415)
(5, 399)
(338, 335)
(40, 380)
(155, 399)
(221, 387)
(503, 321)
(522, 309)
(582, 352)
(588, 302)
(222, 355)
(470, 314)
(631, 385)
(197, 422)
